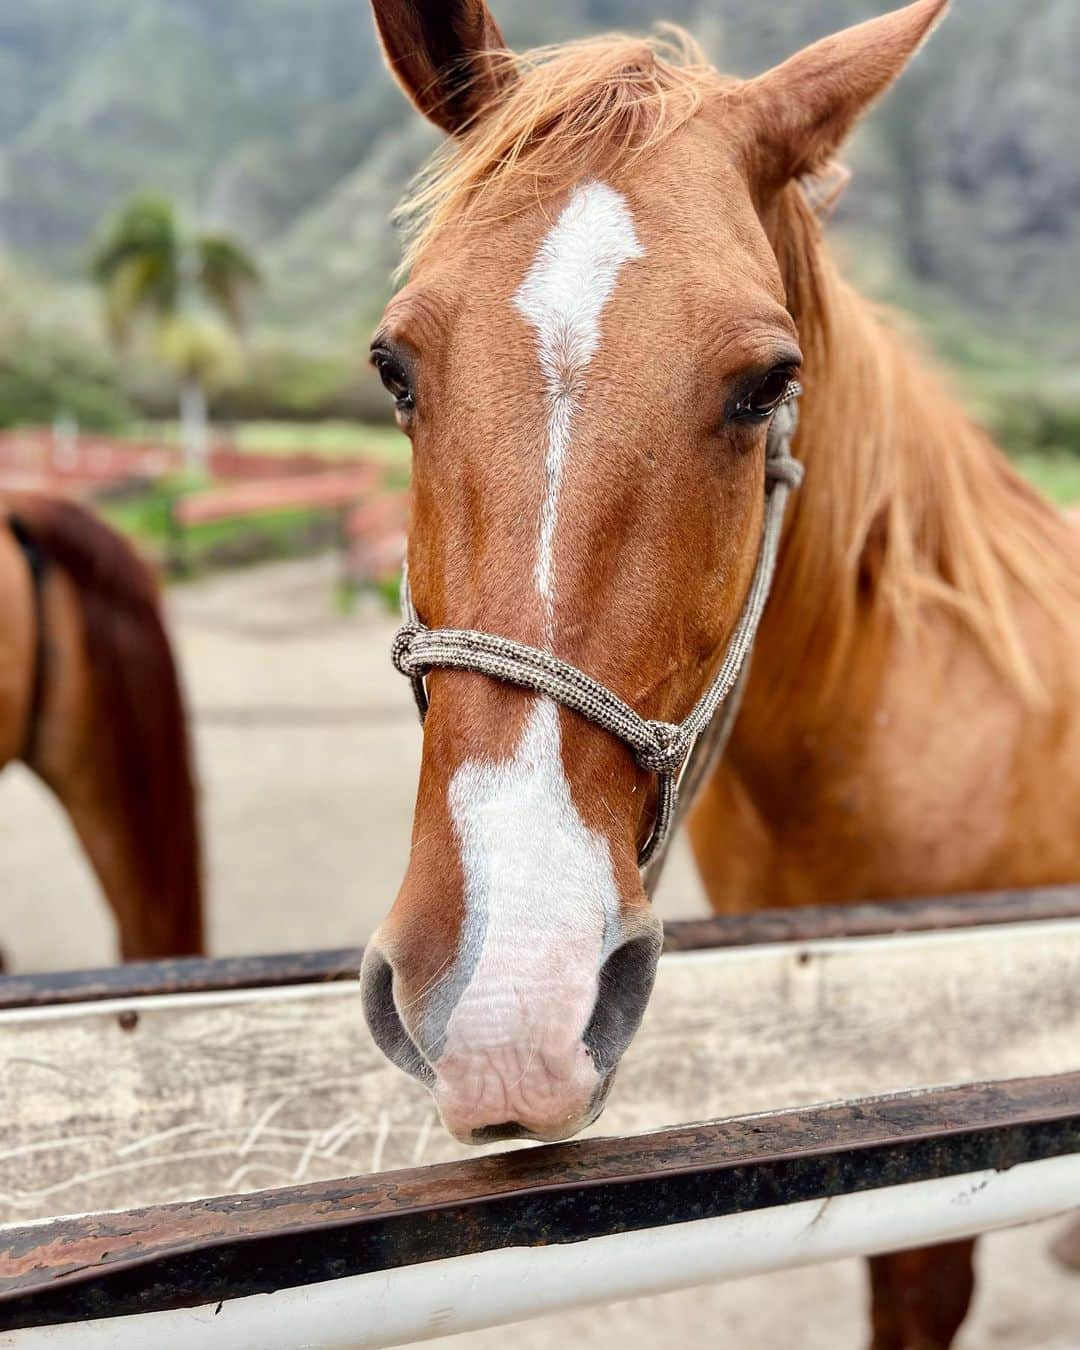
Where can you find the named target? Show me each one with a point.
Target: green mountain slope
(275, 118)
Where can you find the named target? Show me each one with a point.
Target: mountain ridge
(276, 119)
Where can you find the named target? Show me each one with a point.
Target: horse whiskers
(431, 985)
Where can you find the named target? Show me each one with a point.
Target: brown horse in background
(615, 275)
(90, 701)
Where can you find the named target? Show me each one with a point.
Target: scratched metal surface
(209, 1094)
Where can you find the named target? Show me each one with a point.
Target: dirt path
(308, 750)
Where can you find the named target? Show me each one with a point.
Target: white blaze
(540, 897)
(563, 295)
(540, 892)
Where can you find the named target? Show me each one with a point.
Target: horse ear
(803, 110)
(441, 53)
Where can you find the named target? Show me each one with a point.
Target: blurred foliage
(1055, 474)
(46, 375)
(1038, 425)
(199, 346)
(295, 382)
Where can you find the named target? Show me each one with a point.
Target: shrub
(45, 376)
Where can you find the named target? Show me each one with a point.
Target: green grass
(384, 443)
(144, 517)
(379, 442)
(286, 533)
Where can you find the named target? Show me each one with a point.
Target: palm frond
(137, 263)
(145, 225)
(139, 284)
(227, 273)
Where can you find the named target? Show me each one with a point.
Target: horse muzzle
(528, 1054)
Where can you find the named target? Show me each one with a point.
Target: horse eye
(763, 400)
(394, 379)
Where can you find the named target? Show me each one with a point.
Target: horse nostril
(509, 1129)
(384, 1020)
(626, 981)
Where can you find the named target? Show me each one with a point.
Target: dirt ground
(308, 749)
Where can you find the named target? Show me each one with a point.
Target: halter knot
(784, 469)
(781, 466)
(401, 650)
(668, 749)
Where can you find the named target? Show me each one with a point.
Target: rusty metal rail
(184, 1255)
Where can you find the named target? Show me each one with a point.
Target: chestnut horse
(90, 700)
(615, 274)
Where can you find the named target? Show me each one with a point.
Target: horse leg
(919, 1298)
(148, 930)
(18, 634)
(128, 795)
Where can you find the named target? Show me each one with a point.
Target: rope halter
(659, 747)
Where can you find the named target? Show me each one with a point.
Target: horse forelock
(573, 111)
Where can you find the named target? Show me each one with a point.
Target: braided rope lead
(659, 747)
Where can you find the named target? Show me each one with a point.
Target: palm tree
(189, 286)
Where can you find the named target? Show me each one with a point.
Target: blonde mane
(905, 501)
(907, 504)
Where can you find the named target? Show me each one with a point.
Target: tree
(189, 287)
